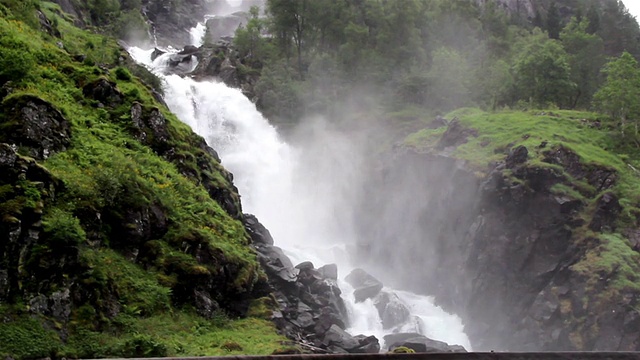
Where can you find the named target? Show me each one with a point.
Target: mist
(338, 186)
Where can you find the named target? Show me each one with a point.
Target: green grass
(104, 174)
(180, 333)
(24, 336)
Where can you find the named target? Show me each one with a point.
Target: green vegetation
(123, 228)
(437, 55)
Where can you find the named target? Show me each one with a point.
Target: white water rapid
(297, 192)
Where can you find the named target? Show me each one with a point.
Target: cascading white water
(197, 33)
(298, 193)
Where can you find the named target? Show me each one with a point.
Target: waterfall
(299, 192)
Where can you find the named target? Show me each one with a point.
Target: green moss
(402, 350)
(262, 308)
(612, 259)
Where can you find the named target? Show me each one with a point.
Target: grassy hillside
(125, 285)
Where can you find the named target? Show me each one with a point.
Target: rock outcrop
(35, 126)
(510, 252)
(310, 309)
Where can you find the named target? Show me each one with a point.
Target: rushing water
(299, 193)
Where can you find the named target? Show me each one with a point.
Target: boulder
(391, 339)
(367, 345)
(391, 310)
(366, 286)
(157, 53)
(36, 126)
(337, 337)
(329, 271)
(423, 344)
(104, 91)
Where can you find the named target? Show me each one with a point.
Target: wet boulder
(391, 339)
(366, 286)
(391, 310)
(337, 337)
(367, 345)
(423, 344)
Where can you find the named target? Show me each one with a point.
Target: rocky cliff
(534, 249)
(115, 218)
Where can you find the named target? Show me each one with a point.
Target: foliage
(619, 96)
(435, 54)
(249, 41)
(62, 229)
(585, 52)
(25, 337)
(542, 71)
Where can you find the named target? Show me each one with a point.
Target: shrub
(143, 346)
(15, 64)
(123, 74)
(62, 228)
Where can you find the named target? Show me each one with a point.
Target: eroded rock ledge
(509, 252)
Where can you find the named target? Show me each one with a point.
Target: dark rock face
(607, 210)
(221, 61)
(310, 309)
(502, 251)
(171, 20)
(220, 27)
(21, 231)
(35, 126)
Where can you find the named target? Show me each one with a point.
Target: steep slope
(120, 231)
(526, 227)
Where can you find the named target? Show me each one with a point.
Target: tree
(290, 22)
(542, 72)
(553, 22)
(249, 41)
(619, 30)
(593, 16)
(620, 94)
(585, 59)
